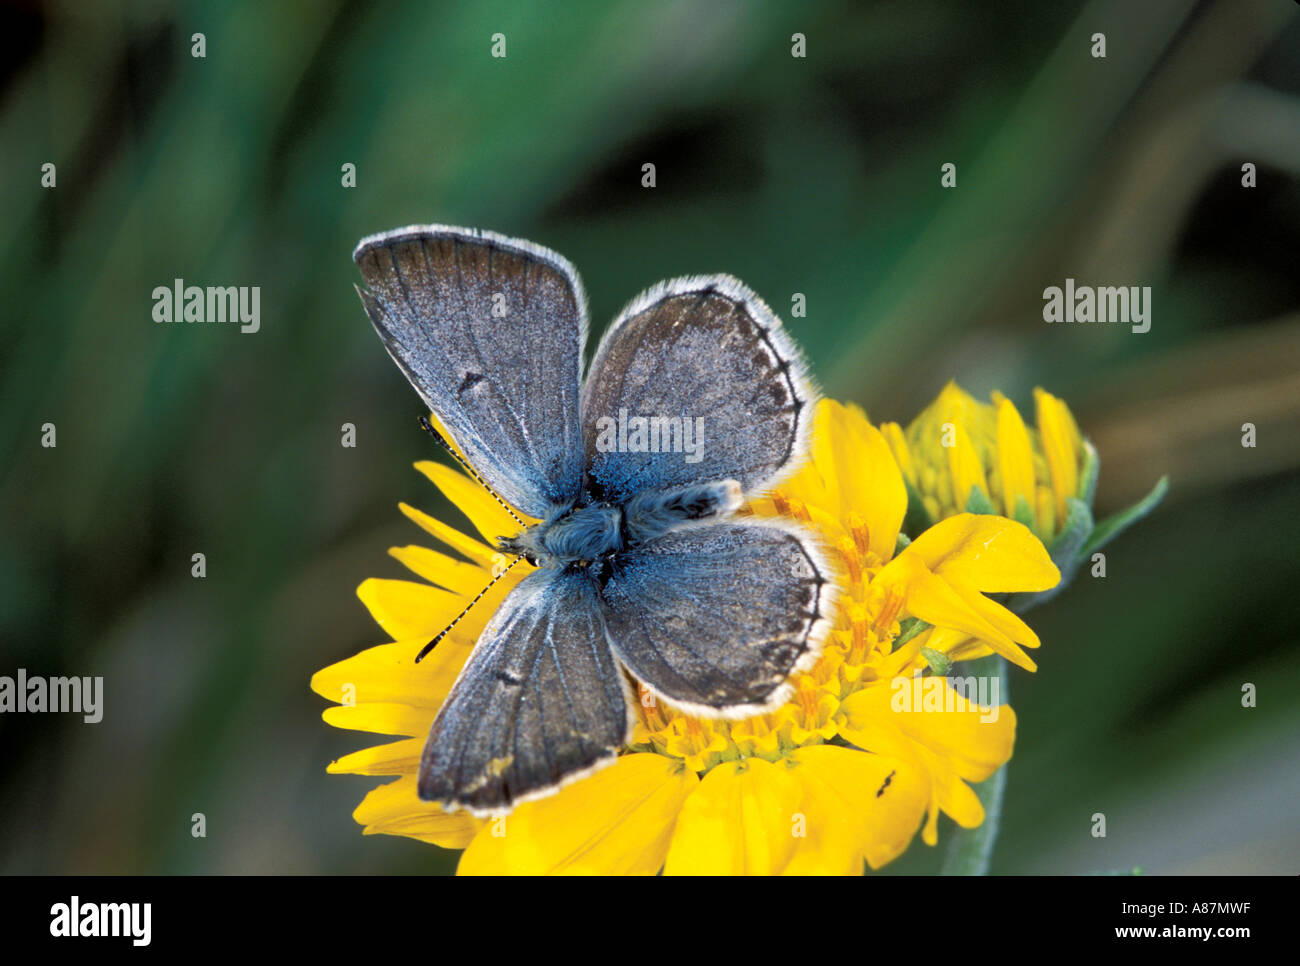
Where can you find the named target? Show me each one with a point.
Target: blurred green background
(817, 175)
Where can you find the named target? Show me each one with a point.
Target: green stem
(970, 849)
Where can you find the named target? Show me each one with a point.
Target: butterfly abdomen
(653, 513)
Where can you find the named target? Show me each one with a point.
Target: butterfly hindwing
(715, 617)
(540, 702)
(705, 350)
(490, 332)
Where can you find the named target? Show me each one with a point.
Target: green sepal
(1114, 525)
(908, 628)
(903, 542)
(1025, 514)
(1065, 553)
(979, 502)
(939, 662)
(1065, 546)
(1088, 473)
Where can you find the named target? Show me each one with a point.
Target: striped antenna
(428, 428)
(424, 651)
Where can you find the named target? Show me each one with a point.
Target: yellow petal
(409, 610)
(958, 646)
(396, 809)
(1060, 445)
(853, 471)
(739, 821)
(893, 434)
(951, 739)
(1007, 622)
(406, 609)
(959, 802)
(383, 718)
(965, 466)
(475, 550)
(1045, 507)
(488, 515)
(858, 805)
(1015, 455)
(466, 579)
(989, 553)
(394, 758)
(877, 492)
(388, 673)
(616, 822)
(954, 404)
(976, 741)
(943, 604)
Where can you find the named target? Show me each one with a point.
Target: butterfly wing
(702, 348)
(715, 617)
(541, 701)
(490, 332)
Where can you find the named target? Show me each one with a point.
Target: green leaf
(1113, 526)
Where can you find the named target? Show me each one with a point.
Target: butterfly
(696, 400)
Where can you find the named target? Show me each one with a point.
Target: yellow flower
(963, 455)
(847, 771)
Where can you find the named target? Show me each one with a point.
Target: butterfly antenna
(428, 428)
(424, 651)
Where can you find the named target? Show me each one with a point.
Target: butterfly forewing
(705, 350)
(490, 332)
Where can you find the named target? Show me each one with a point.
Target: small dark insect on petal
(888, 778)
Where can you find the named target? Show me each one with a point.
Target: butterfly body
(696, 399)
(583, 536)
(591, 535)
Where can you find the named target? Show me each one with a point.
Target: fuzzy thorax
(588, 535)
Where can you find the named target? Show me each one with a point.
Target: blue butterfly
(696, 399)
